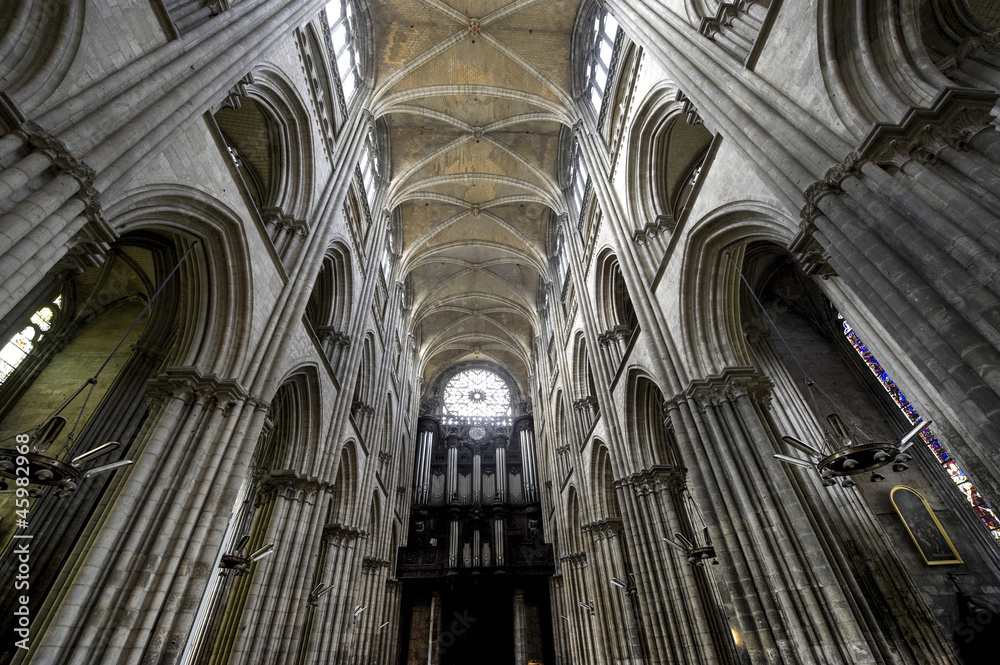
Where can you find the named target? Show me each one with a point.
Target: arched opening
(798, 339)
(89, 363)
(476, 541)
(328, 310)
(650, 432)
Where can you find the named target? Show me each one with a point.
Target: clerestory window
(599, 60)
(948, 463)
(371, 169)
(343, 40)
(579, 176)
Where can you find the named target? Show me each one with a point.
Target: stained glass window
(340, 17)
(477, 395)
(24, 342)
(951, 467)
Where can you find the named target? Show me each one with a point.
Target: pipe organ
(476, 500)
(475, 570)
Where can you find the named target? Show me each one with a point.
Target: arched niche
(329, 310)
(269, 137)
(667, 148)
(615, 313)
(650, 435)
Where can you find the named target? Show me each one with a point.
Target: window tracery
(579, 177)
(603, 37)
(370, 166)
(477, 395)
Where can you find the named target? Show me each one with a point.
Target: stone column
(520, 629)
(278, 590)
(40, 211)
(735, 480)
(161, 521)
(911, 225)
(620, 632)
(327, 642)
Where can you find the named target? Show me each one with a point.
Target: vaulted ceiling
(474, 94)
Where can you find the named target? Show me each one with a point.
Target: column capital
(655, 480)
(952, 119)
(732, 383)
(605, 529)
(189, 384)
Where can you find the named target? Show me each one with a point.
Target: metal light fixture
(45, 471)
(628, 587)
(238, 562)
(696, 555)
(589, 606)
(318, 592)
(847, 457)
(853, 458)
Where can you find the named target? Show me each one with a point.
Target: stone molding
(732, 383)
(809, 254)
(282, 221)
(620, 332)
(655, 480)
(576, 560)
(291, 484)
(334, 336)
(237, 92)
(189, 384)
(371, 564)
(662, 223)
(340, 534)
(605, 529)
(951, 121)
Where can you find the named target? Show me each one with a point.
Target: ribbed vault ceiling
(474, 93)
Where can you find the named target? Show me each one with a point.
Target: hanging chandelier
(850, 458)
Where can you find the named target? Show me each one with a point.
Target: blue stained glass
(984, 512)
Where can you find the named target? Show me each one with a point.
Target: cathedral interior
(507, 332)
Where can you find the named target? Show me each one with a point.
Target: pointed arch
(650, 435)
(215, 279)
(602, 479)
(345, 486)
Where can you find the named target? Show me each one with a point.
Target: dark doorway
(477, 626)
